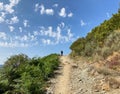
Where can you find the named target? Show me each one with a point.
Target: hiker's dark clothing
(61, 53)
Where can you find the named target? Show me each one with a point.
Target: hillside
(98, 59)
(102, 38)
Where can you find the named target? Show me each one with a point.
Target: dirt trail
(62, 86)
(78, 77)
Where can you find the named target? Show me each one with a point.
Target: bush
(22, 75)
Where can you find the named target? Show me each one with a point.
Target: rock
(96, 88)
(49, 91)
(115, 86)
(74, 65)
(106, 86)
(80, 80)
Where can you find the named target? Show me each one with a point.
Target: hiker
(61, 53)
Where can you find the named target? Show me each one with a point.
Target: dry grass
(113, 61)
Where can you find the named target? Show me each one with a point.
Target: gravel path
(75, 77)
(62, 86)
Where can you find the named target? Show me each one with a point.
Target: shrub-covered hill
(102, 40)
(22, 75)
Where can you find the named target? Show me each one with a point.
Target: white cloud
(35, 33)
(46, 41)
(108, 15)
(9, 7)
(2, 17)
(13, 44)
(11, 28)
(55, 5)
(20, 29)
(24, 38)
(49, 11)
(62, 12)
(70, 14)
(45, 11)
(1, 6)
(42, 11)
(13, 20)
(48, 32)
(25, 23)
(14, 2)
(70, 35)
(37, 7)
(3, 35)
(56, 36)
(32, 37)
(62, 24)
(82, 23)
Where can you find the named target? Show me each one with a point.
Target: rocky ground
(79, 77)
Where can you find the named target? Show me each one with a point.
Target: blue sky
(41, 27)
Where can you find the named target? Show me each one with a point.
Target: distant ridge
(1, 66)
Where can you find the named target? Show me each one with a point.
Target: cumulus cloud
(13, 20)
(108, 15)
(47, 41)
(14, 2)
(11, 28)
(9, 7)
(70, 35)
(24, 38)
(20, 29)
(36, 7)
(62, 24)
(70, 14)
(25, 23)
(55, 5)
(55, 36)
(47, 32)
(46, 11)
(2, 17)
(62, 12)
(35, 33)
(3, 35)
(13, 44)
(43, 10)
(1, 6)
(82, 23)
(49, 11)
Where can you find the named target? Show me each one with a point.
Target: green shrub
(22, 75)
(102, 36)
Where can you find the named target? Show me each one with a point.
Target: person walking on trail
(61, 53)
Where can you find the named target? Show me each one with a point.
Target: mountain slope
(96, 39)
